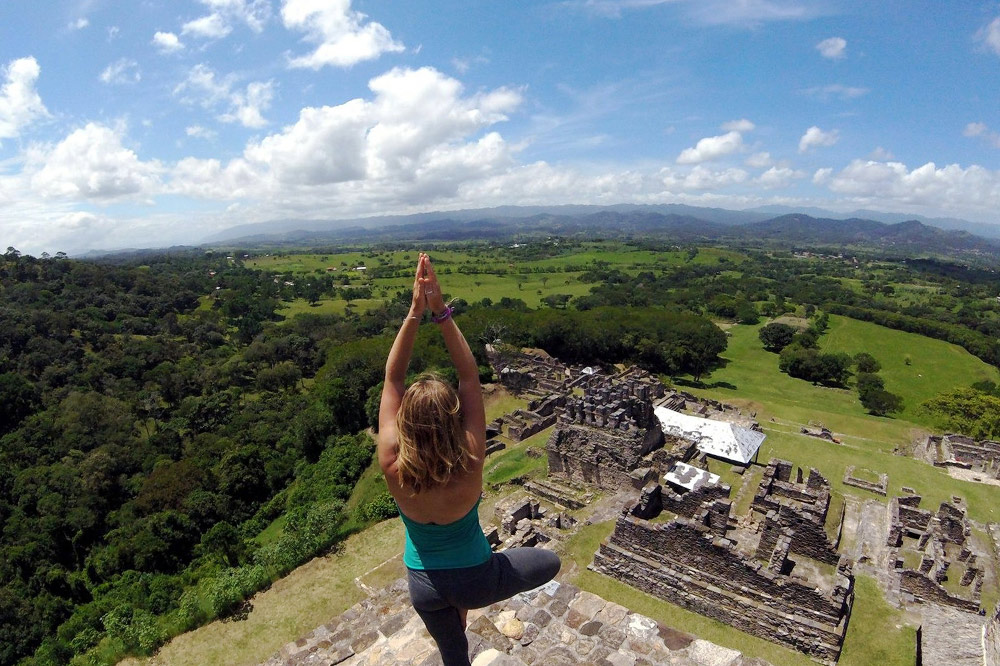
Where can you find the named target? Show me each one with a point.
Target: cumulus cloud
(711, 148)
(881, 153)
(983, 132)
(120, 72)
(833, 48)
(837, 90)
(245, 106)
(342, 36)
(968, 190)
(815, 137)
(741, 125)
(989, 35)
(167, 42)
(746, 13)
(20, 103)
(760, 160)
(78, 24)
(212, 26)
(415, 140)
(92, 164)
(776, 177)
(224, 13)
(199, 132)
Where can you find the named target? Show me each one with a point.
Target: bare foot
(464, 614)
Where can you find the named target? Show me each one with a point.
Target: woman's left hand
(419, 302)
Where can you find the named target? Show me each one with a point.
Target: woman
(431, 447)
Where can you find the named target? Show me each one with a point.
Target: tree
(18, 399)
(881, 402)
(865, 362)
(776, 336)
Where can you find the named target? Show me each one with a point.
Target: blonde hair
(432, 443)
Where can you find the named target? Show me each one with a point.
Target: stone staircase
(553, 625)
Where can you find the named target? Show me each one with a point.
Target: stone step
(552, 625)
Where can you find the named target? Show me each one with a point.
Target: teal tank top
(456, 545)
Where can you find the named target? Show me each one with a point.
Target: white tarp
(690, 477)
(716, 438)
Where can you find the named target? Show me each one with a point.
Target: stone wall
(685, 564)
(925, 590)
(991, 639)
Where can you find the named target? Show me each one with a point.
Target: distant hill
(797, 229)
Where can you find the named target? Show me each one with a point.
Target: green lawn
(935, 366)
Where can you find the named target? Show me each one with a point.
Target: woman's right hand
(429, 283)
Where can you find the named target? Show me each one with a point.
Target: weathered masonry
(777, 576)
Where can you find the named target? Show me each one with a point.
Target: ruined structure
(991, 639)
(777, 576)
(929, 549)
(606, 437)
(880, 487)
(962, 452)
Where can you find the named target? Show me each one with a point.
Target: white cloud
(219, 23)
(822, 176)
(414, 141)
(973, 190)
(747, 13)
(835, 90)
(20, 103)
(702, 178)
(120, 72)
(989, 35)
(832, 48)
(341, 35)
(776, 177)
(199, 132)
(79, 24)
(712, 147)
(167, 42)
(212, 26)
(815, 137)
(246, 107)
(982, 131)
(91, 164)
(882, 154)
(760, 160)
(742, 125)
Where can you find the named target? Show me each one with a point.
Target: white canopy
(689, 477)
(716, 438)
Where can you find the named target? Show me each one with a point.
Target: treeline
(170, 445)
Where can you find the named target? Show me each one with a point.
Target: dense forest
(161, 415)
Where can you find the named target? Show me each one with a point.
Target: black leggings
(438, 595)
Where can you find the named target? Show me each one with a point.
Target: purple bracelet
(444, 316)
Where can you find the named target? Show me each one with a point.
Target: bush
(382, 507)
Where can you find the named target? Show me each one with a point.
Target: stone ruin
(929, 549)
(880, 487)
(962, 452)
(524, 522)
(608, 436)
(819, 432)
(991, 639)
(775, 575)
(534, 375)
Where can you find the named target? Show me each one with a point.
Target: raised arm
(469, 390)
(395, 372)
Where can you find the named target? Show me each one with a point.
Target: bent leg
(525, 569)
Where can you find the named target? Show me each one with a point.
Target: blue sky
(148, 122)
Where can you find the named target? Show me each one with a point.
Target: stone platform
(554, 625)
